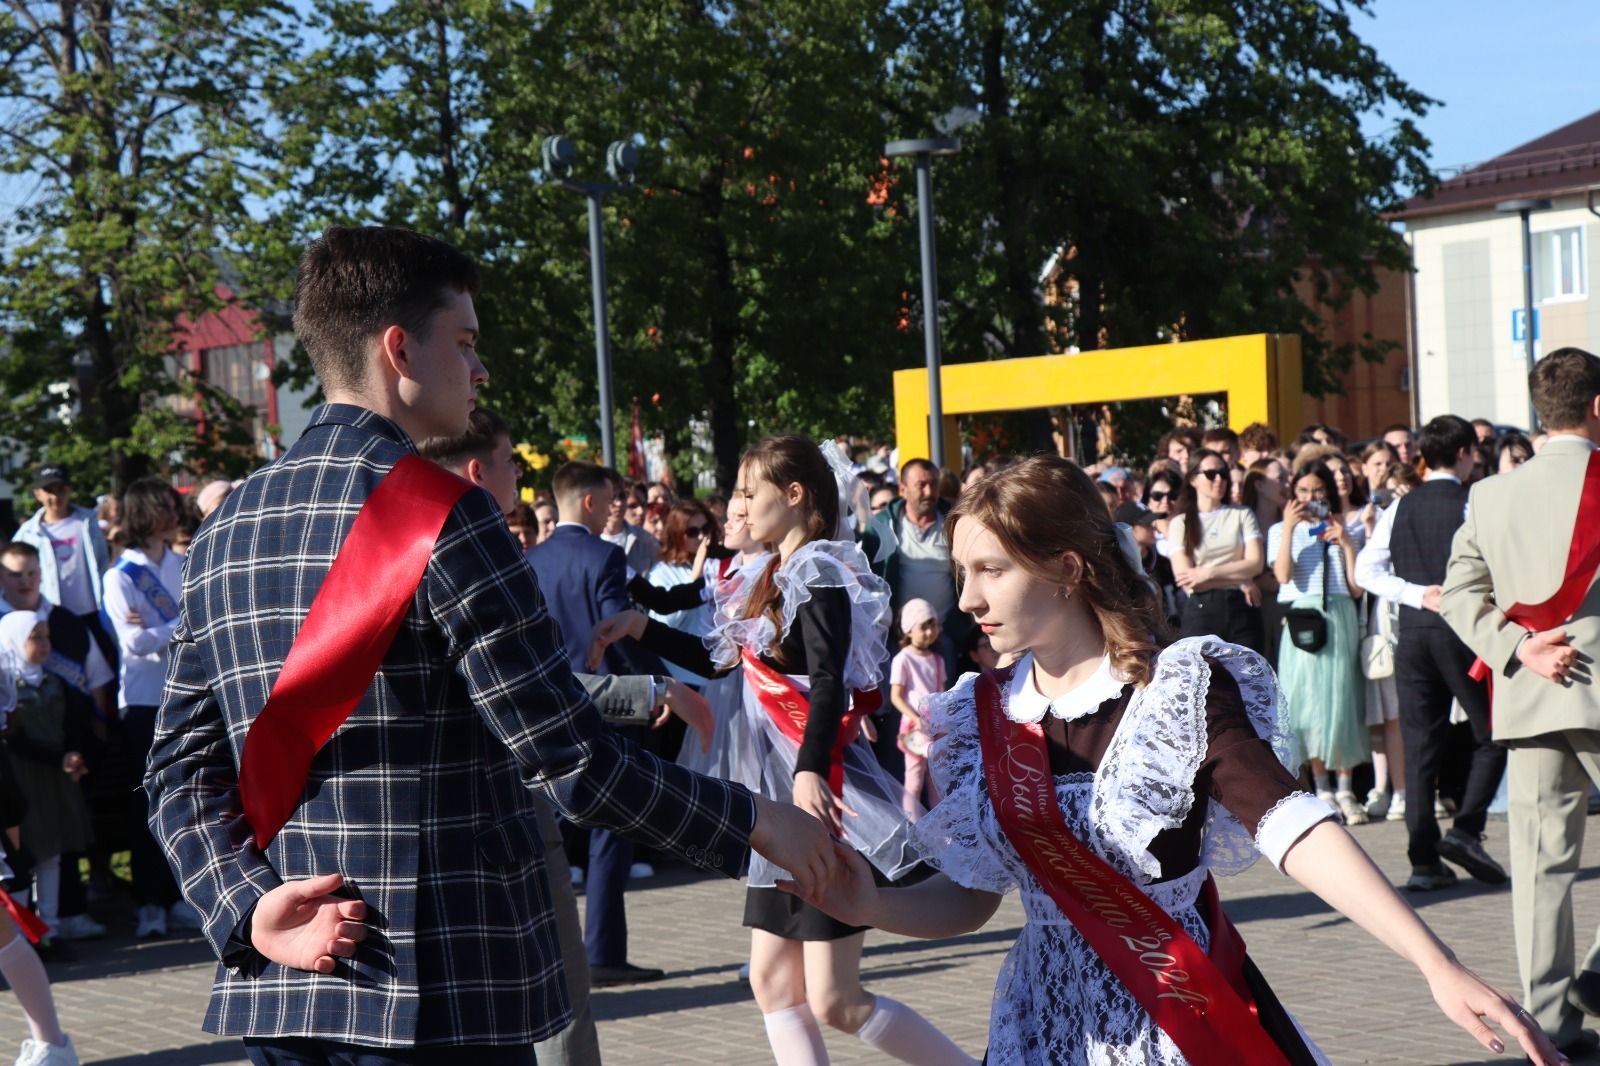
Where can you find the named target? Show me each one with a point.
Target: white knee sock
(23, 971)
(795, 1037)
(898, 1031)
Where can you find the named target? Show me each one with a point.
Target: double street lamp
(622, 162)
(923, 152)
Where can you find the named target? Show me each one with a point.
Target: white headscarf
(15, 628)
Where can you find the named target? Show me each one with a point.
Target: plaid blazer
(422, 798)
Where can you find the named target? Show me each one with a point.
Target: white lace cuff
(1287, 822)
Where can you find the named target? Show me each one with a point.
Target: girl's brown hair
(1045, 507)
(675, 546)
(787, 460)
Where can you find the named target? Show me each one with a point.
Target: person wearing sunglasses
(1216, 554)
(1163, 497)
(688, 534)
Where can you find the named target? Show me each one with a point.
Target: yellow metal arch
(1260, 375)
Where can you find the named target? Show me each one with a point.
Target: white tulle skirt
(748, 747)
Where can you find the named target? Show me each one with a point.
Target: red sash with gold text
(1583, 561)
(789, 708)
(352, 621)
(1200, 1001)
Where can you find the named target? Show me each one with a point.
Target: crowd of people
(835, 650)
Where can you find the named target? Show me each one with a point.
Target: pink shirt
(921, 673)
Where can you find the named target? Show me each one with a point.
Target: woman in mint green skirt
(1314, 559)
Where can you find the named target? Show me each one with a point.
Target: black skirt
(772, 910)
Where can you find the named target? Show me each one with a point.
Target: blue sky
(1504, 73)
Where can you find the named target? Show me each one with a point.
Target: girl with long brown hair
(809, 631)
(1107, 779)
(1216, 554)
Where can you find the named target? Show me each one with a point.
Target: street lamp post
(923, 152)
(1524, 208)
(622, 160)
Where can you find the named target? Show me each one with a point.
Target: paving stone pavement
(129, 1003)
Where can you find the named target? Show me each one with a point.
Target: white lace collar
(1025, 703)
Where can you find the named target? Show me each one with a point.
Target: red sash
(1200, 1001)
(789, 708)
(347, 632)
(1583, 561)
(31, 924)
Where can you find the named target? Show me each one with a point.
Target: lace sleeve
(1145, 783)
(959, 835)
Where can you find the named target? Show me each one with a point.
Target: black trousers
(153, 883)
(299, 1051)
(1430, 669)
(1224, 613)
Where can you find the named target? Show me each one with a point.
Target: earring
(1063, 593)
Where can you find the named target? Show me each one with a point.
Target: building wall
(1468, 283)
(1375, 395)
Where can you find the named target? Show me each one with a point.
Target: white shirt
(1375, 567)
(143, 647)
(69, 539)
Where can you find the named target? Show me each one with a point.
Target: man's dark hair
(575, 479)
(1258, 437)
(1563, 385)
(484, 430)
(144, 509)
(356, 281)
(917, 464)
(1442, 439)
(1398, 427)
(1220, 433)
(19, 547)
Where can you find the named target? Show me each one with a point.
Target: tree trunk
(727, 437)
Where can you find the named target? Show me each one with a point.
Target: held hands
(850, 895)
(300, 925)
(610, 630)
(1431, 597)
(692, 707)
(812, 795)
(1472, 1003)
(792, 839)
(1550, 656)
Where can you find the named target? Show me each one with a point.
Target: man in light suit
(584, 580)
(1511, 554)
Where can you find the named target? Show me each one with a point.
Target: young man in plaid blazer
(404, 904)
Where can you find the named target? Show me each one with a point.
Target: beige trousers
(1548, 793)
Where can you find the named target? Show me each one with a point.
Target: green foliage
(133, 129)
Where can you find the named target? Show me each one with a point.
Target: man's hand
(134, 618)
(1550, 656)
(610, 630)
(1430, 598)
(794, 840)
(73, 766)
(302, 926)
(692, 707)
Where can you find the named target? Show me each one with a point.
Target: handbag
(1308, 627)
(1377, 651)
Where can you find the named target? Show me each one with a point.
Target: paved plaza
(128, 1002)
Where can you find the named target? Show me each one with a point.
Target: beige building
(1467, 296)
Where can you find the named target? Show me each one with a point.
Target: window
(1558, 264)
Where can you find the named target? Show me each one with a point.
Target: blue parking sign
(1519, 325)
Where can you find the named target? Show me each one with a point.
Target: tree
(1193, 161)
(749, 286)
(135, 131)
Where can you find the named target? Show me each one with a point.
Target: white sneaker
(152, 922)
(182, 915)
(577, 876)
(1397, 809)
(1377, 803)
(38, 1053)
(1326, 796)
(1354, 813)
(641, 871)
(79, 927)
